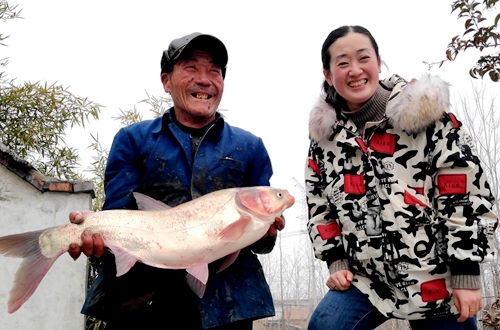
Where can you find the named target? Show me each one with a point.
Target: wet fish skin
(188, 236)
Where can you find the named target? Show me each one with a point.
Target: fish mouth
(202, 96)
(358, 83)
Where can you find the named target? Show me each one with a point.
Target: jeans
(351, 310)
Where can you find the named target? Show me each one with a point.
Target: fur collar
(412, 106)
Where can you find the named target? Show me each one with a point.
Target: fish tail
(32, 269)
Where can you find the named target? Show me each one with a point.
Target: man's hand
(279, 224)
(340, 280)
(468, 302)
(93, 244)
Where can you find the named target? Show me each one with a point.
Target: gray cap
(195, 40)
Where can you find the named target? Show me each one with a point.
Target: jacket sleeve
(323, 228)
(463, 199)
(259, 174)
(122, 176)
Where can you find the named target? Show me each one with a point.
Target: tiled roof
(28, 173)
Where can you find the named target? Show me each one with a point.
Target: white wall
(57, 302)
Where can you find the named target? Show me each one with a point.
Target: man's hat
(195, 40)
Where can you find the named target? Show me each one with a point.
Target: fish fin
(229, 261)
(197, 277)
(123, 259)
(32, 269)
(234, 231)
(147, 203)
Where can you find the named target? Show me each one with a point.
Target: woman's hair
(332, 97)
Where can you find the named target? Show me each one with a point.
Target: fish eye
(279, 194)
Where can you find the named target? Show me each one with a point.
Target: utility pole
(304, 231)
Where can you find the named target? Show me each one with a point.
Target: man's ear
(165, 81)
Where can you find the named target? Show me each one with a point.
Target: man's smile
(201, 96)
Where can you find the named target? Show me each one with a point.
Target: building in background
(29, 201)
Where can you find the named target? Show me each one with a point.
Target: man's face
(196, 86)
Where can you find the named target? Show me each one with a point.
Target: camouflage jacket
(406, 206)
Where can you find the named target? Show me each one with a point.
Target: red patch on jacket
(452, 184)
(454, 120)
(412, 200)
(314, 166)
(383, 143)
(362, 145)
(354, 184)
(434, 290)
(329, 231)
(420, 190)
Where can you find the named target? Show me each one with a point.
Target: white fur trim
(412, 107)
(321, 120)
(421, 103)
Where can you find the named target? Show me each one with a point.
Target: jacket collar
(168, 119)
(412, 106)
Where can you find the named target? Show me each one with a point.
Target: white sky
(109, 51)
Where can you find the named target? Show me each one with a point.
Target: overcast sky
(109, 51)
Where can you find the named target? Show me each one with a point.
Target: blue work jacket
(155, 158)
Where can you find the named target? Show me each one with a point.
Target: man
(188, 152)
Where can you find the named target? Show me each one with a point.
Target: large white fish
(188, 236)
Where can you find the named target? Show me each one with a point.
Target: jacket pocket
(230, 173)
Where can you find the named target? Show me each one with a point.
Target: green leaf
(494, 76)
(469, 31)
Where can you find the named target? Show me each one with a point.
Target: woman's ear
(328, 78)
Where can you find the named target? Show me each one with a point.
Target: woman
(400, 209)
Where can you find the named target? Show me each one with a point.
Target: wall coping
(28, 173)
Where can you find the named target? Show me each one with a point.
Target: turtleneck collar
(372, 110)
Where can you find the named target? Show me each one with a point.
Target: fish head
(264, 202)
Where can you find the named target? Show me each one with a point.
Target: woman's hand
(340, 280)
(468, 302)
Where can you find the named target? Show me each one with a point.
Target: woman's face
(354, 69)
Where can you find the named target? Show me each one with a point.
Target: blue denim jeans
(350, 309)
